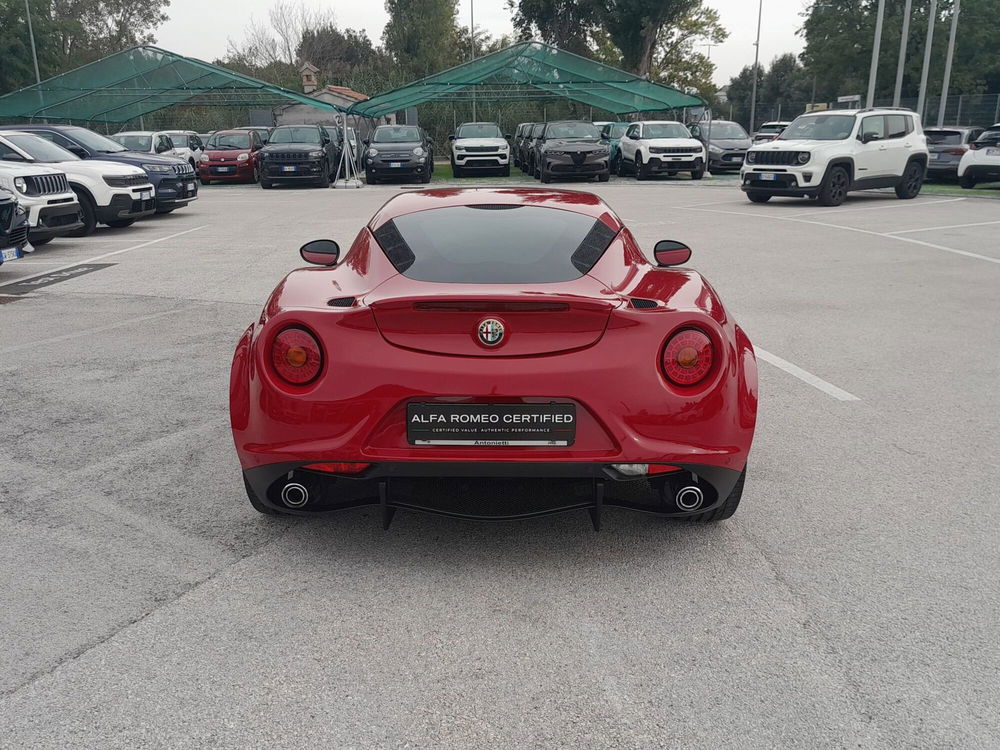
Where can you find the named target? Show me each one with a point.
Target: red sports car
(494, 353)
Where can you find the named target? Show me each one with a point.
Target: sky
(200, 28)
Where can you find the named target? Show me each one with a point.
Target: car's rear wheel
(759, 197)
(913, 180)
(727, 508)
(88, 213)
(833, 191)
(967, 182)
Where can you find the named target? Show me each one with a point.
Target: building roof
(344, 91)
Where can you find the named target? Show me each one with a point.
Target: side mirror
(11, 156)
(451, 137)
(320, 252)
(671, 253)
(869, 137)
(365, 141)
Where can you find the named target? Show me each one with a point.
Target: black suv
(299, 153)
(571, 148)
(173, 178)
(13, 228)
(399, 151)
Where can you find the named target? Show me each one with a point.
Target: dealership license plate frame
(547, 424)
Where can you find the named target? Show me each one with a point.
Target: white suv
(479, 145)
(824, 155)
(660, 146)
(981, 163)
(45, 194)
(109, 193)
(157, 142)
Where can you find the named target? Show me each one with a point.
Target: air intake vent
(342, 302)
(496, 206)
(642, 304)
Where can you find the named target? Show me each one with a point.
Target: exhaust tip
(689, 498)
(294, 495)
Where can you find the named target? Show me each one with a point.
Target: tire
(641, 173)
(426, 177)
(324, 180)
(204, 181)
(834, 189)
(370, 177)
(671, 174)
(266, 184)
(256, 502)
(727, 508)
(506, 171)
(604, 176)
(967, 181)
(913, 179)
(456, 171)
(697, 174)
(122, 223)
(545, 176)
(621, 167)
(89, 214)
(256, 175)
(614, 165)
(759, 197)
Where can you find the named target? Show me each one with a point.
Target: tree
(785, 82)
(678, 63)
(567, 24)
(740, 91)
(421, 35)
(340, 55)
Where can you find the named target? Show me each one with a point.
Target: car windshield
(94, 141)
(584, 131)
(40, 149)
(943, 137)
(617, 130)
(135, 142)
(396, 134)
(294, 135)
(726, 130)
(229, 141)
(819, 128)
(506, 244)
(479, 130)
(990, 136)
(665, 130)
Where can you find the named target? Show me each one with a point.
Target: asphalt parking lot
(852, 602)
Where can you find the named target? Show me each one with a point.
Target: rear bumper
(490, 490)
(984, 172)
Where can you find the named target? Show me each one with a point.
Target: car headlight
(373, 152)
(315, 154)
(715, 149)
(157, 168)
(804, 157)
(751, 157)
(203, 157)
(505, 147)
(600, 152)
(241, 157)
(418, 151)
(20, 185)
(555, 153)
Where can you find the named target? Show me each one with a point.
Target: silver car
(947, 146)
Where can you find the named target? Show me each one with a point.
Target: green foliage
(420, 35)
(567, 24)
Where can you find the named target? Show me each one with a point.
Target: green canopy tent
(129, 84)
(533, 71)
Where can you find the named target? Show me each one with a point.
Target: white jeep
(660, 146)
(46, 196)
(158, 142)
(825, 155)
(981, 163)
(479, 145)
(109, 193)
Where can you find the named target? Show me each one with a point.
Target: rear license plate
(491, 424)
(993, 152)
(146, 195)
(10, 253)
(288, 169)
(395, 164)
(768, 176)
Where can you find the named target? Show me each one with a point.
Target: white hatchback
(981, 163)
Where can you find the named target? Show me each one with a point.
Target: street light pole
(31, 36)
(472, 39)
(756, 68)
(928, 46)
(876, 48)
(897, 93)
(947, 63)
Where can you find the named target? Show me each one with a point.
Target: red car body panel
(243, 171)
(580, 341)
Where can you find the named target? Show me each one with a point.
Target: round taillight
(687, 357)
(296, 356)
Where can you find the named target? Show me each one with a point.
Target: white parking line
(931, 245)
(889, 204)
(950, 226)
(806, 377)
(114, 252)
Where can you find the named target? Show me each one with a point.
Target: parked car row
(65, 180)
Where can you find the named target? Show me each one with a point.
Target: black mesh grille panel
(775, 157)
(642, 304)
(593, 246)
(342, 302)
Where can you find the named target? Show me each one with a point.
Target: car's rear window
(943, 137)
(494, 244)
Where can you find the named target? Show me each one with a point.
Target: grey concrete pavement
(852, 601)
